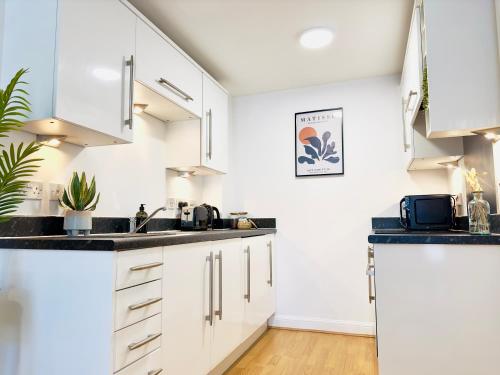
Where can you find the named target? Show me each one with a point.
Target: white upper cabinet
(214, 129)
(163, 69)
(201, 146)
(411, 78)
(460, 50)
(80, 78)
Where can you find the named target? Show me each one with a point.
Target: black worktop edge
(434, 239)
(121, 244)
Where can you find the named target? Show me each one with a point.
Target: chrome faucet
(148, 218)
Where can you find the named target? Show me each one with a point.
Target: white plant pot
(77, 222)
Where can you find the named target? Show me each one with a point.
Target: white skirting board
(326, 325)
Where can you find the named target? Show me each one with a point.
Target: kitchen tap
(148, 219)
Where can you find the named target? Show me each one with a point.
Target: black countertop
(120, 242)
(447, 238)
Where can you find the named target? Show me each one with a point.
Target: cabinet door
(270, 295)
(228, 299)
(95, 40)
(411, 79)
(187, 333)
(255, 283)
(214, 127)
(166, 71)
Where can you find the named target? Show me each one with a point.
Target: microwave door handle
(454, 211)
(404, 223)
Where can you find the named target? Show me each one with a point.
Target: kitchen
(218, 130)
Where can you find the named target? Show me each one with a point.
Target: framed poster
(319, 143)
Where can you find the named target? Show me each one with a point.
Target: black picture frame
(341, 154)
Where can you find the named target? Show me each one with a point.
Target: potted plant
(17, 163)
(79, 199)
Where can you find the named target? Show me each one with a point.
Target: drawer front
(136, 267)
(138, 303)
(136, 341)
(149, 365)
(165, 70)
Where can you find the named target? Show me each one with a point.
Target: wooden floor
(296, 352)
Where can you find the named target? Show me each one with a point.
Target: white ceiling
(252, 46)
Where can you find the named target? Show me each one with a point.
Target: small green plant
(425, 90)
(79, 196)
(16, 164)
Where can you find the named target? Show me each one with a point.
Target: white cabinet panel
(138, 267)
(214, 127)
(79, 82)
(228, 326)
(166, 71)
(257, 309)
(137, 303)
(437, 311)
(136, 341)
(411, 78)
(151, 364)
(95, 39)
(187, 340)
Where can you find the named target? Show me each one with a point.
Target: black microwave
(427, 212)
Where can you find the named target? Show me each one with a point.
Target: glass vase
(479, 214)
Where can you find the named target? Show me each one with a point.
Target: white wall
(126, 175)
(323, 222)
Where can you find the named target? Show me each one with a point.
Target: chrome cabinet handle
(210, 316)
(146, 266)
(208, 137)
(406, 146)
(147, 340)
(370, 272)
(155, 372)
(270, 246)
(408, 101)
(146, 303)
(177, 91)
(129, 121)
(210, 134)
(247, 295)
(219, 311)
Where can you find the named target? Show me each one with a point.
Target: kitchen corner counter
(443, 238)
(114, 242)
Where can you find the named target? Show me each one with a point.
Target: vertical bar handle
(247, 295)
(210, 142)
(406, 146)
(219, 311)
(270, 246)
(210, 316)
(130, 121)
(370, 272)
(208, 135)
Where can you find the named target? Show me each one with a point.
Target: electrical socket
(172, 203)
(55, 191)
(34, 190)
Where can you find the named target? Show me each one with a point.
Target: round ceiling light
(317, 37)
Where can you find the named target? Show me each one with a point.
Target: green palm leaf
(16, 164)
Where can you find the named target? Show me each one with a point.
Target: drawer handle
(177, 91)
(147, 340)
(148, 302)
(146, 266)
(155, 372)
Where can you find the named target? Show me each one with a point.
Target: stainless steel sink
(134, 235)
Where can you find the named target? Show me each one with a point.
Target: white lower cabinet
(178, 310)
(206, 311)
(437, 309)
(258, 282)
